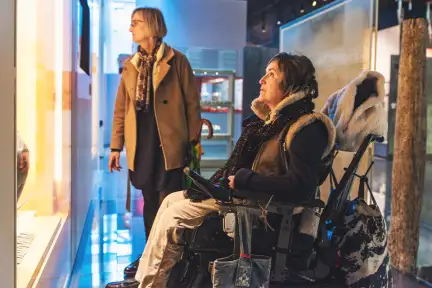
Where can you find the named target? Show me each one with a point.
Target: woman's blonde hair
(154, 19)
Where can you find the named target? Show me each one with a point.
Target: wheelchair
(314, 265)
(297, 236)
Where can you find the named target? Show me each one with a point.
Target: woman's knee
(173, 198)
(169, 219)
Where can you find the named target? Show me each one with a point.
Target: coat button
(165, 101)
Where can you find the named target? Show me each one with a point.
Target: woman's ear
(282, 87)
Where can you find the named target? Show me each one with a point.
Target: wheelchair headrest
(358, 110)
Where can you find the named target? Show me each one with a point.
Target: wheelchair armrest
(315, 203)
(263, 197)
(249, 195)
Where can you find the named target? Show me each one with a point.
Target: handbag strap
(243, 273)
(361, 193)
(244, 232)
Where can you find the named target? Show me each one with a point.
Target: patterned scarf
(144, 81)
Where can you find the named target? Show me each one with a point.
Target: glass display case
(339, 39)
(217, 89)
(43, 123)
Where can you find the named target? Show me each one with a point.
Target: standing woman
(156, 116)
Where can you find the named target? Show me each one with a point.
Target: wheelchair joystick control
(206, 186)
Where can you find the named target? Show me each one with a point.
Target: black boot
(128, 283)
(131, 269)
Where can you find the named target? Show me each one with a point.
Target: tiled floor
(117, 238)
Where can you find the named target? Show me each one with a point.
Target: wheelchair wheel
(183, 275)
(309, 285)
(190, 273)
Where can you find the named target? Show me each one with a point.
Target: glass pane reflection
(338, 40)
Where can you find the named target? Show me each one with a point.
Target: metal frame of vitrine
(8, 145)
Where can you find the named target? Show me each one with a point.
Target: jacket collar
(263, 111)
(160, 69)
(159, 55)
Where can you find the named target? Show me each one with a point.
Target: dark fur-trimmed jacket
(310, 138)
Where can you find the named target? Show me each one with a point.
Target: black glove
(195, 194)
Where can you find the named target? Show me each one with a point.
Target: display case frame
(7, 151)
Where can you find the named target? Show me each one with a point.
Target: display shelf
(35, 236)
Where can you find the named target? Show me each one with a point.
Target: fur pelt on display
(357, 110)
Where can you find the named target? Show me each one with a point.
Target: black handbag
(361, 241)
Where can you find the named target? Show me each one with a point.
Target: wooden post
(410, 148)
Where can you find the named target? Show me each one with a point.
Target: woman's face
(139, 29)
(271, 92)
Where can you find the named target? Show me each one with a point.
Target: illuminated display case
(43, 115)
(58, 82)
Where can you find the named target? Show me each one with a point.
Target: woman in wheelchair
(284, 113)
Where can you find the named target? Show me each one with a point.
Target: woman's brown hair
(154, 19)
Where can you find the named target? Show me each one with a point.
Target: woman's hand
(231, 181)
(24, 161)
(114, 161)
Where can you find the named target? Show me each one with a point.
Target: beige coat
(176, 102)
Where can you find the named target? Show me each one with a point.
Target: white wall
(211, 24)
(117, 38)
(387, 45)
(216, 24)
(203, 23)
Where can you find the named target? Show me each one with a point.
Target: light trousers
(162, 251)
